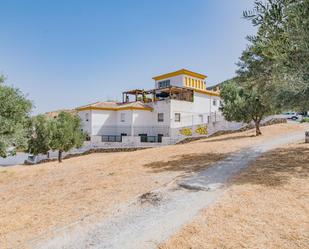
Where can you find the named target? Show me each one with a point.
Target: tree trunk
(257, 128)
(60, 156)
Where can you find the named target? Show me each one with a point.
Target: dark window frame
(122, 115)
(177, 114)
(159, 115)
(164, 83)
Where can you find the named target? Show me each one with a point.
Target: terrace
(147, 96)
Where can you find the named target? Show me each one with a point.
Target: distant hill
(214, 87)
(54, 114)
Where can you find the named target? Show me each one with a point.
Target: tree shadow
(187, 163)
(211, 139)
(277, 167)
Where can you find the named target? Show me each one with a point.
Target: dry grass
(36, 199)
(267, 206)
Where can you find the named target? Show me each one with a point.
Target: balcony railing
(111, 138)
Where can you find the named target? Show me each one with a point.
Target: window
(87, 117)
(143, 137)
(201, 118)
(122, 117)
(177, 117)
(164, 83)
(88, 138)
(123, 134)
(214, 102)
(186, 81)
(111, 138)
(160, 117)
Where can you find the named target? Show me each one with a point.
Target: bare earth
(36, 200)
(267, 206)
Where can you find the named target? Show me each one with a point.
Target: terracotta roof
(137, 105)
(100, 105)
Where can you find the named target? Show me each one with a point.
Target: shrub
(305, 120)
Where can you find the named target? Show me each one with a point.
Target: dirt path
(265, 206)
(151, 219)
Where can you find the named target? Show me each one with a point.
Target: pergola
(135, 92)
(172, 92)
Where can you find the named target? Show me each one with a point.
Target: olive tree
(281, 44)
(244, 104)
(15, 109)
(40, 135)
(66, 133)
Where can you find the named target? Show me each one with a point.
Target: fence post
(307, 137)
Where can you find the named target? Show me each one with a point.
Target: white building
(180, 99)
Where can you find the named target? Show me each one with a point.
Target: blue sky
(64, 54)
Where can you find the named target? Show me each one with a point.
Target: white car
(291, 115)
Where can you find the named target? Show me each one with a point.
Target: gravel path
(152, 218)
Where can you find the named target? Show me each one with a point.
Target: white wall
(143, 118)
(174, 81)
(179, 80)
(200, 111)
(103, 122)
(162, 106)
(86, 124)
(144, 122)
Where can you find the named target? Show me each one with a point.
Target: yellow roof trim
(135, 108)
(211, 93)
(113, 109)
(179, 72)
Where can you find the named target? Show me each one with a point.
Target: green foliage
(66, 133)
(273, 71)
(14, 117)
(244, 103)
(281, 47)
(40, 135)
(305, 120)
(61, 133)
